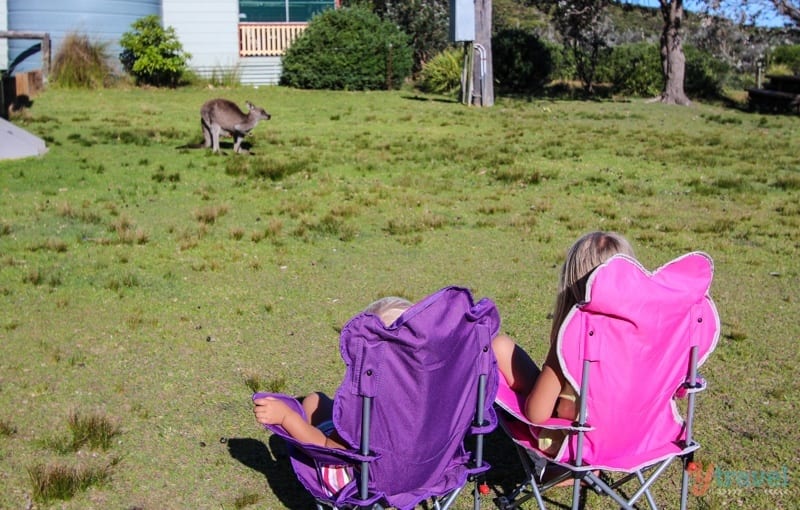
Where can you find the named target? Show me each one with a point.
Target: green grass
(160, 285)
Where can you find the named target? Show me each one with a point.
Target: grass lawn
(152, 287)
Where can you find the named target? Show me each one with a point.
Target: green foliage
(788, 55)
(523, 62)
(81, 63)
(634, 70)
(442, 74)
(427, 22)
(153, 54)
(350, 49)
(705, 74)
(225, 76)
(57, 481)
(585, 28)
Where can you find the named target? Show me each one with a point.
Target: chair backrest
(422, 373)
(637, 328)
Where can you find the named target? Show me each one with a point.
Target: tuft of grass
(161, 175)
(225, 76)
(94, 430)
(56, 245)
(266, 168)
(256, 383)
(60, 482)
(787, 182)
(121, 282)
(81, 63)
(7, 428)
(237, 233)
(127, 232)
(209, 215)
(39, 276)
(246, 500)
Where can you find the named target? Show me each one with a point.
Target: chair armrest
(686, 388)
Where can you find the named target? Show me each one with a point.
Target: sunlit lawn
(155, 286)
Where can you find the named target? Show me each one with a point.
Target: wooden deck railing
(267, 39)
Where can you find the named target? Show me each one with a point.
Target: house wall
(208, 29)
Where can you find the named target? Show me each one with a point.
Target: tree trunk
(672, 58)
(482, 73)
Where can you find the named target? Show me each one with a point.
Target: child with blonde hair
(318, 406)
(547, 392)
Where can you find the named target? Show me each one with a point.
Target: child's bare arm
(271, 411)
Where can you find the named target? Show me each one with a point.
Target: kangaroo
(222, 117)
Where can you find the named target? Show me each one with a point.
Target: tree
(584, 26)
(790, 9)
(754, 11)
(673, 61)
(425, 21)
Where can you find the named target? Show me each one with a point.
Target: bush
(634, 70)
(425, 21)
(348, 49)
(522, 62)
(705, 75)
(153, 54)
(442, 74)
(81, 63)
(788, 56)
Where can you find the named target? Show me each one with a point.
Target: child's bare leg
(318, 407)
(515, 364)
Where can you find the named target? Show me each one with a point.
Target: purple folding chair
(411, 395)
(630, 350)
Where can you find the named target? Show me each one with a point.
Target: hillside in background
(739, 46)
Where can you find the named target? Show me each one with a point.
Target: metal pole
(366, 409)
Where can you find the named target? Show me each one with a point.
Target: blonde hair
(584, 255)
(389, 308)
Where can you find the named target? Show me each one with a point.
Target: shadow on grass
(273, 463)
(224, 147)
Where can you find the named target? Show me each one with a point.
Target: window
(281, 10)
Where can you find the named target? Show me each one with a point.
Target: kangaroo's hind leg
(237, 141)
(216, 131)
(207, 142)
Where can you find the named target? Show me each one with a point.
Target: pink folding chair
(630, 350)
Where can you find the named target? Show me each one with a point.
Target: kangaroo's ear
(250, 105)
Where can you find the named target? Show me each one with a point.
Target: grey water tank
(100, 20)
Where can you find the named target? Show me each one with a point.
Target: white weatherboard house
(246, 36)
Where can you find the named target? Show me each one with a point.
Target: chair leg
(650, 500)
(685, 480)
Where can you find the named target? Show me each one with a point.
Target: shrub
(522, 62)
(705, 74)
(81, 63)
(788, 56)
(442, 74)
(350, 49)
(425, 21)
(152, 53)
(634, 70)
